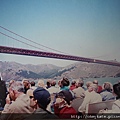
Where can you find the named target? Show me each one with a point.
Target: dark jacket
(41, 114)
(3, 94)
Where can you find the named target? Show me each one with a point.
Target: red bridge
(18, 51)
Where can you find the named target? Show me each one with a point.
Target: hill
(17, 71)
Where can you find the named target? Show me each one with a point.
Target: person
(31, 89)
(20, 103)
(53, 89)
(79, 92)
(32, 83)
(73, 86)
(41, 84)
(48, 84)
(32, 101)
(64, 84)
(3, 93)
(106, 93)
(26, 84)
(93, 97)
(42, 98)
(11, 81)
(88, 83)
(116, 104)
(99, 89)
(62, 105)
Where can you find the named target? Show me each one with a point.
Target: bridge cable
(20, 41)
(31, 40)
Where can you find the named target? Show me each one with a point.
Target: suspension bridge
(60, 55)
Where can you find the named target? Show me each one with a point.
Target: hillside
(13, 70)
(89, 70)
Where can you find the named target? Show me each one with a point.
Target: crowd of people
(26, 100)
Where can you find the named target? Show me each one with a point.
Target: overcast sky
(86, 28)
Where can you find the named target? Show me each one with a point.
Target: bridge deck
(11, 50)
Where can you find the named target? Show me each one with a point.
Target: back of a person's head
(95, 82)
(11, 81)
(116, 89)
(53, 83)
(94, 87)
(42, 96)
(41, 83)
(80, 83)
(32, 83)
(73, 82)
(25, 82)
(107, 86)
(88, 83)
(17, 86)
(48, 82)
(65, 82)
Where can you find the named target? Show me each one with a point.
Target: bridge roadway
(20, 51)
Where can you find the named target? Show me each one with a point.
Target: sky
(86, 28)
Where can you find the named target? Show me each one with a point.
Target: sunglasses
(31, 97)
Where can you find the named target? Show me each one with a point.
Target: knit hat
(42, 96)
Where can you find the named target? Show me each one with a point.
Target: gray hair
(88, 83)
(94, 86)
(41, 83)
(17, 86)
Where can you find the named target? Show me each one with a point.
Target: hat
(66, 95)
(42, 96)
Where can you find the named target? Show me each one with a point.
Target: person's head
(42, 96)
(88, 83)
(53, 83)
(65, 82)
(59, 83)
(41, 83)
(116, 89)
(11, 81)
(26, 83)
(48, 83)
(32, 100)
(15, 89)
(79, 83)
(107, 86)
(32, 83)
(73, 82)
(95, 82)
(92, 87)
(66, 96)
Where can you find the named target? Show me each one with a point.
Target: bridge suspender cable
(31, 40)
(20, 41)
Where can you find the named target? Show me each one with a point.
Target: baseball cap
(42, 96)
